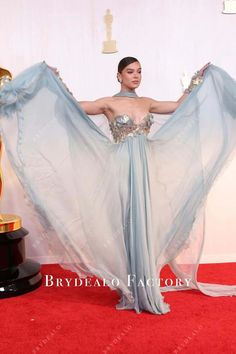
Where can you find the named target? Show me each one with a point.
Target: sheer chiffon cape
(121, 211)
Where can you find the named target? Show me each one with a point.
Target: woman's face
(130, 76)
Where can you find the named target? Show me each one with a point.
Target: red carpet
(84, 320)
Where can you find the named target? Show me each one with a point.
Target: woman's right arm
(94, 107)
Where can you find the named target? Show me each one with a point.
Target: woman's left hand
(201, 71)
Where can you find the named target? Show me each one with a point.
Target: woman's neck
(124, 93)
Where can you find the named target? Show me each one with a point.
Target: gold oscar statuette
(109, 46)
(18, 274)
(8, 222)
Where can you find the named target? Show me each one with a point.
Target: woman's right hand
(56, 72)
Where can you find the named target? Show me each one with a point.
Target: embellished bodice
(123, 126)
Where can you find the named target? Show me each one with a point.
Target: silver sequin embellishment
(123, 126)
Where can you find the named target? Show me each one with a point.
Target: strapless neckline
(123, 126)
(128, 117)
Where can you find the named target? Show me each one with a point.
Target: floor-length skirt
(121, 211)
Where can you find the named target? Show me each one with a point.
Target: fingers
(206, 66)
(201, 71)
(55, 70)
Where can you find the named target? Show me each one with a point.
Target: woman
(123, 207)
(129, 76)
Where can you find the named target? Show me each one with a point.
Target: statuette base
(109, 47)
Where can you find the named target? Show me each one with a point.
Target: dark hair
(125, 62)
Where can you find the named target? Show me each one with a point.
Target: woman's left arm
(167, 107)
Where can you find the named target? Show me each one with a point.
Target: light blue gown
(124, 207)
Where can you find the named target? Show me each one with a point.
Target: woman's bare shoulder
(147, 99)
(105, 99)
